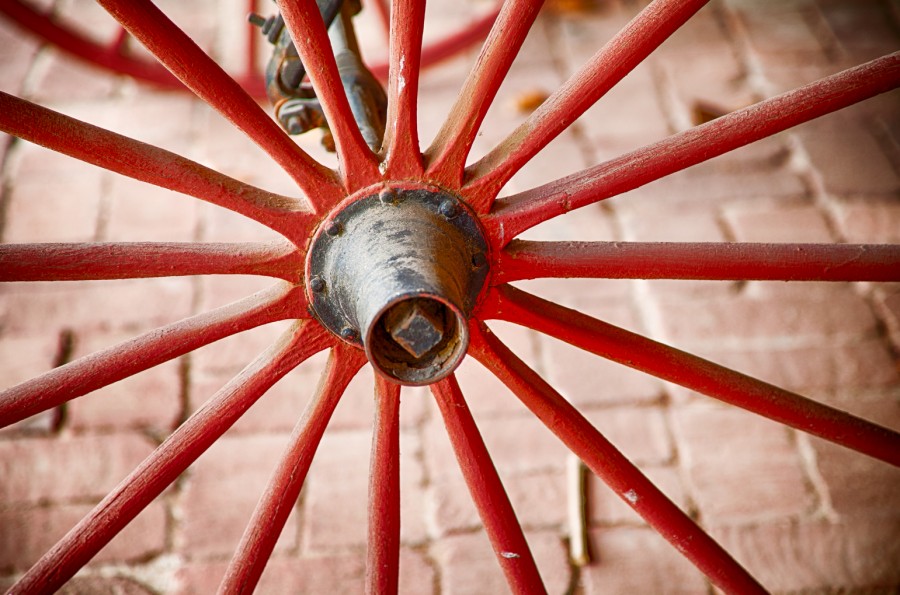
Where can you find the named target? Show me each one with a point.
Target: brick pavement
(803, 515)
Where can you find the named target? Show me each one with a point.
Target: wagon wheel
(114, 55)
(456, 241)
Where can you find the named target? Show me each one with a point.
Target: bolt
(449, 208)
(256, 19)
(388, 196)
(317, 284)
(349, 333)
(295, 125)
(415, 328)
(334, 228)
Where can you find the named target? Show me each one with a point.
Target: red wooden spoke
(150, 164)
(697, 374)
(359, 164)
(170, 459)
(447, 154)
(194, 68)
(610, 465)
(283, 489)
(383, 560)
(109, 58)
(93, 261)
(120, 361)
(608, 66)
(632, 170)
(403, 159)
(702, 260)
(487, 490)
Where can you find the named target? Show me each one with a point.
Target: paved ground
(801, 514)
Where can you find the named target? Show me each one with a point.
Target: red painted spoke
(93, 261)
(608, 66)
(120, 361)
(610, 465)
(171, 459)
(698, 374)
(303, 19)
(383, 561)
(632, 170)
(447, 154)
(487, 490)
(283, 489)
(150, 164)
(702, 260)
(403, 158)
(177, 52)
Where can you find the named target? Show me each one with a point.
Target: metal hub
(398, 272)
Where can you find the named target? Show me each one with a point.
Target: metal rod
(359, 165)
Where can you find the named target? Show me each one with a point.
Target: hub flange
(398, 273)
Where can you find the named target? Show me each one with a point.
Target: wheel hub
(398, 272)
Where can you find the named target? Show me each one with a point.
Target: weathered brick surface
(335, 502)
(801, 223)
(150, 399)
(818, 555)
(30, 531)
(63, 468)
(467, 563)
(621, 565)
(740, 467)
(802, 514)
(221, 492)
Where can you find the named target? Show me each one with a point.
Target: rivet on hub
(388, 196)
(349, 333)
(449, 208)
(317, 284)
(334, 228)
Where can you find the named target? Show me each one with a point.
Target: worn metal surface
(397, 277)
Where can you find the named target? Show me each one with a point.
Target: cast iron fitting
(403, 278)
